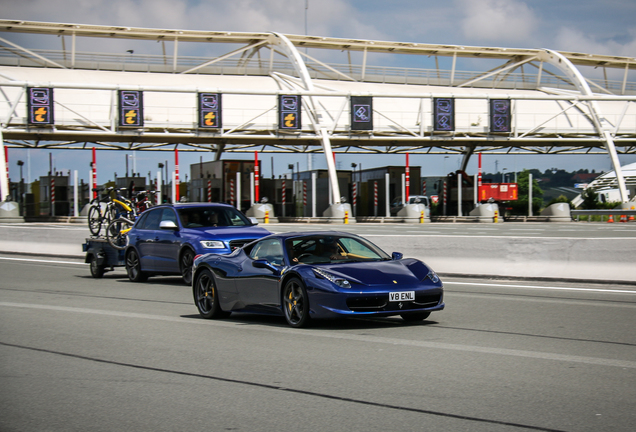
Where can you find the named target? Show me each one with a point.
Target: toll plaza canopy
(271, 92)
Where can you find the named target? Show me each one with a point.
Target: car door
(259, 286)
(144, 238)
(167, 244)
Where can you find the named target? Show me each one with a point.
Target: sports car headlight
(343, 283)
(433, 276)
(212, 244)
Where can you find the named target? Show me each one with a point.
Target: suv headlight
(212, 244)
(343, 283)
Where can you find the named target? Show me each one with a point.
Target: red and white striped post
(407, 180)
(176, 174)
(284, 195)
(52, 195)
(445, 197)
(209, 190)
(355, 197)
(256, 177)
(375, 198)
(479, 180)
(94, 174)
(231, 191)
(424, 187)
(304, 197)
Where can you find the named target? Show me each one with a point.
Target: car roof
(312, 233)
(192, 205)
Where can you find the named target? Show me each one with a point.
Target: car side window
(270, 249)
(152, 220)
(169, 215)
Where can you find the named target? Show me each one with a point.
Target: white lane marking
(543, 287)
(54, 228)
(503, 237)
(350, 337)
(42, 261)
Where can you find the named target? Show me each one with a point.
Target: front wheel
(206, 296)
(415, 316)
(117, 233)
(296, 303)
(133, 267)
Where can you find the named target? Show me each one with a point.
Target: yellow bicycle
(117, 231)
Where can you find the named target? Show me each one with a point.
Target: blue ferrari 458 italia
(303, 276)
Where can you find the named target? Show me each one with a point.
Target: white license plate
(402, 296)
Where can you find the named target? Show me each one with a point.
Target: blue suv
(166, 238)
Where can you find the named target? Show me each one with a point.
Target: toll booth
(137, 181)
(371, 180)
(55, 196)
(215, 181)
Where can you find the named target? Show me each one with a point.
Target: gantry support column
(321, 131)
(562, 63)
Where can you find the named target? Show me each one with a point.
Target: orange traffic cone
(631, 217)
(611, 219)
(623, 218)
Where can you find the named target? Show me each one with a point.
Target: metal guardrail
(612, 212)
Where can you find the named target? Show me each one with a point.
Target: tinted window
(210, 216)
(270, 249)
(169, 215)
(151, 221)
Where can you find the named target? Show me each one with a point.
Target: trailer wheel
(97, 271)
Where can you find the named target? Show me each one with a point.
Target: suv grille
(235, 244)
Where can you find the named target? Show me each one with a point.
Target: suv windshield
(209, 216)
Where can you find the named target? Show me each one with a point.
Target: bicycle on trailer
(128, 210)
(97, 217)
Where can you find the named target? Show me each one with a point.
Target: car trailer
(101, 256)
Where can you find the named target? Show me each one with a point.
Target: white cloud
(570, 39)
(500, 22)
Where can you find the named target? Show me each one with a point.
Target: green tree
(590, 199)
(520, 207)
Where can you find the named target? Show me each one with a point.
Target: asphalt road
(80, 354)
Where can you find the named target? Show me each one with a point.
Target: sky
(589, 26)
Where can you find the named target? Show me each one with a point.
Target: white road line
(502, 237)
(43, 261)
(542, 287)
(328, 334)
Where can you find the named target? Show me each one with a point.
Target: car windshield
(323, 249)
(211, 216)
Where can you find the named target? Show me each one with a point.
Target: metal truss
(398, 130)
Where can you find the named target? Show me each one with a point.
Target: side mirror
(168, 225)
(254, 221)
(396, 256)
(263, 263)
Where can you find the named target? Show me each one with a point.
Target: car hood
(226, 233)
(380, 272)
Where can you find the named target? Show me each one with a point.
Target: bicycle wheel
(117, 233)
(94, 220)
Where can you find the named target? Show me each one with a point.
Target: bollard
(496, 218)
(346, 219)
(422, 216)
(266, 216)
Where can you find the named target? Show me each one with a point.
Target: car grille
(235, 244)
(381, 303)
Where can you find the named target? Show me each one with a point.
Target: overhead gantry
(552, 112)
